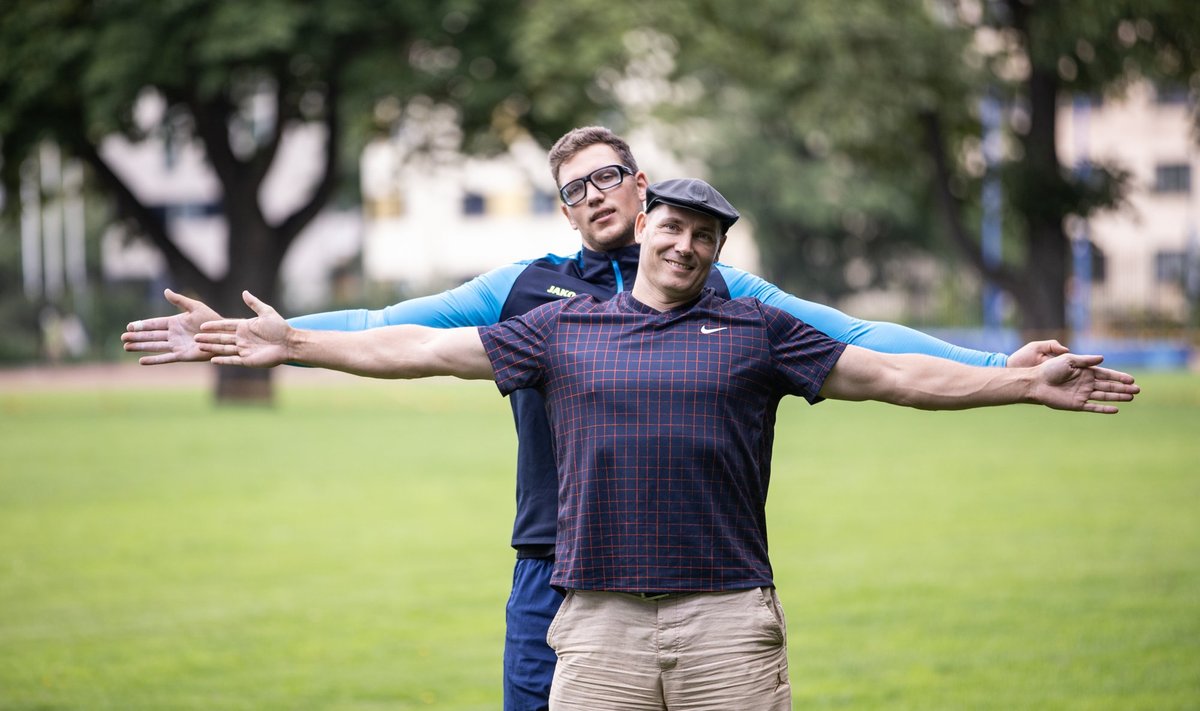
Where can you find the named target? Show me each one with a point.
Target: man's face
(679, 247)
(604, 218)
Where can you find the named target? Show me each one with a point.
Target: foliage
(851, 135)
(1039, 55)
(74, 72)
(806, 115)
(20, 342)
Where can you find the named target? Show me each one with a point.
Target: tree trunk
(1043, 202)
(1044, 312)
(1042, 298)
(244, 386)
(254, 262)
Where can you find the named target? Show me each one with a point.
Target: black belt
(535, 551)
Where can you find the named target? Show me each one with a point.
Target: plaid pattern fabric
(663, 426)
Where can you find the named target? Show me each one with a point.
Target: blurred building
(427, 223)
(430, 225)
(1145, 257)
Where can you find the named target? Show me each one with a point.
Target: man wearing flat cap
(662, 402)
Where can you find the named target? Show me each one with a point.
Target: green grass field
(347, 549)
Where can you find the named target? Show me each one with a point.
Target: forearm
(876, 335)
(928, 383)
(925, 382)
(392, 352)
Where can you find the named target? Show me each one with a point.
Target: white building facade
(1148, 267)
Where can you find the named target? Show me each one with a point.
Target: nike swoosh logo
(706, 330)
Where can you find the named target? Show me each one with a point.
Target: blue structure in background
(991, 236)
(1079, 302)
(1158, 354)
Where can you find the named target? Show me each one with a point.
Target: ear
(720, 246)
(642, 183)
(566, 211)
(639, 226)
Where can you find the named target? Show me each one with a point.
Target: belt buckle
(649, 597)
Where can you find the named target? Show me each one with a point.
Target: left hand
(1072, 382)
(170, 338)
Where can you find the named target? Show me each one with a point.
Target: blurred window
(474, 204)
(1173, 178)
(1169, 267)
(1171, 93)
(543, 202)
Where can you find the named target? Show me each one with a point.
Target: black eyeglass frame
(622, 171)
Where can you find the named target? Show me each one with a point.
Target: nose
(683, 242)
(591, 193)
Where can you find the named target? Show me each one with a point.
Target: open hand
(1073, 382)
(259, 342)
(172, 338)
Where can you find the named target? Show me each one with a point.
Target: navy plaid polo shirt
(663, 426)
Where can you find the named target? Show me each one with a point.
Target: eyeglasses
(606, 178)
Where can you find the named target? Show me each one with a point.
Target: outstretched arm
(389, 352)
(878, 336)
(1065, 382)
(476, 303)
(170, 338)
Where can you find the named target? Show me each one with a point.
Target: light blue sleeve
(875, 335)
(476, 303)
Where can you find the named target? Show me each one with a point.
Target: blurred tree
(73, 71)
(850, 133)
(826, 119)
(1039, 55)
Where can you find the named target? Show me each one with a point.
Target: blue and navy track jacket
(518, 288)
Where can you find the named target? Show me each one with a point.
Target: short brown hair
(577, 139)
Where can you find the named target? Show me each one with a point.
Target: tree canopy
(848, 132)
(73, 71)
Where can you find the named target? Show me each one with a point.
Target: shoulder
(554, 262)
(742, 283)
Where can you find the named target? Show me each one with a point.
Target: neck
(656, 299)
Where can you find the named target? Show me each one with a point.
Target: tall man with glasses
(602, 190)
(662, 402)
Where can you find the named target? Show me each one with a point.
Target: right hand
(1076, 382)
(254, 342)
(171, 337)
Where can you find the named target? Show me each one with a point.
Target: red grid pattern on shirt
(663, 427)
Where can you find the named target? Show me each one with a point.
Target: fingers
(257, 305)
(1101, 409)
(180, 301)
(144, 345)
(143, 336)
(226, 325)
(159, 359)
(221, 346)
(1116, 386)
(1085, 361)
(1114, 375)
(224, 338)
(151, 324)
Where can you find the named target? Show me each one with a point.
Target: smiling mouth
(603, 214)
(680, 265)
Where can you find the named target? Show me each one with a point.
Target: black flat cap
(694, 195)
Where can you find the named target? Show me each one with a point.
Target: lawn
(347, 549)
